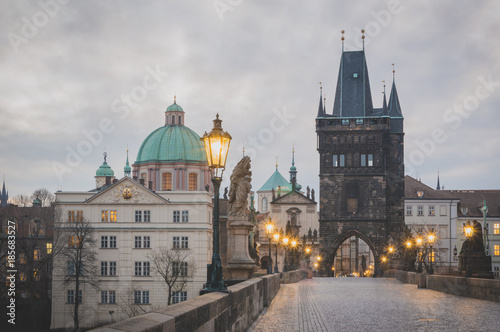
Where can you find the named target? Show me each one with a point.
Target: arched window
(166, 181)
(264, 204)
(173, 119)
(179, 122)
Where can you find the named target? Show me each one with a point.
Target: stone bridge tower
(361, 163)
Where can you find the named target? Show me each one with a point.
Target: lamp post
(419, 244)
(293, 244)
(308, 257)
(216, 147)
(469, 231)
(269, 232)
(431, 238)
(285, 245)
(276, 239)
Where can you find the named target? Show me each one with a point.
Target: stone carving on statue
(240, 188)
(308, 192)
(312, 195)
(315, 234)
(225, 193)
(207, 187)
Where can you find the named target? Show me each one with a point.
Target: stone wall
(294, 276)
(235, 311)
(484, 289)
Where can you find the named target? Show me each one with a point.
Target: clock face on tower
(127, 193)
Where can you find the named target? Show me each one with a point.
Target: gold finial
(175, 97)
(243, 150)
(320, 85)
(393, 70)
(276, 162)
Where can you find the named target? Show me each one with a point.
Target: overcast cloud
(255, 63)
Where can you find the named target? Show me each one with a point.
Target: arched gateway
(361, 163)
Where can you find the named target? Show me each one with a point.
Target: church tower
(361, 162)
(4, 196)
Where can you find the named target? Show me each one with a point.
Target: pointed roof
(438, 187)
(127, 169)
(4, 197)
(394, 106)
(274, 181)
(353, 95)
(321, 108)
(384, 103)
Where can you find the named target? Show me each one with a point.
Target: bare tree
(129, 306)
(44, 195)
(78, 252)
(22, 200)
(175, 267)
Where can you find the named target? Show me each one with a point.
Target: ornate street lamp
(277, 240)
(431, 237)
(469, 232)
(308, 257)
(269, 232)
(419, 254)
(216, 147)
(293, 244)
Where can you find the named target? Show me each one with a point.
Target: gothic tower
(361, 163)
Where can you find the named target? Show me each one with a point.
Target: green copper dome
(172, 143)
(104, 170)
(276, 180)
(174, 108)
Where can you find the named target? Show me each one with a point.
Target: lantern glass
(216, 145)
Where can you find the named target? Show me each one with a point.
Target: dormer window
(420, 194)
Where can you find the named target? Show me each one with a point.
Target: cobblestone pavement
(367, 304)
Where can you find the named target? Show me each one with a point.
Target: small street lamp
(293, 244)
(269, 232)
(431, 237)
(277, 240)
(216, 147)
(419, 254)
(308, 257)
(285, 244)
(469, 232)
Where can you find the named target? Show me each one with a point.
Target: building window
(22, 258)
(496, 249)
(147, 216)
(176, 242)
(335, 160)
(420, 210)
(112, 241)
(465, 210)
(75, 216)
(432, 211)
(177, 216)
(138, 216)
(104, 268)
(142, 269)
(363, 160)
(22, 276)
(180, 269)
(185, 216)
(71, 268)
(36, 255)
(70, 296)
(111, 271)
(112, 216)
(370, 160)
(166, 181)
(179, 297)
(49, 248)
(408, 210)
(73, 241)
(432, 256)
(141, 297)
(104, 241)
(193, 181)
(108, 297)
(496, 228)
(142, 242)
(138, 242)
(342, 160)
(36, 275)
(264, 204)
(184, 242)
(146, 242)
(104, 216)
(496, 271)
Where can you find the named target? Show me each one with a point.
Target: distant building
(164, 205)
(4, 195)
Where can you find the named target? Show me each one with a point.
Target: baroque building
(164, 206)
(361, 163)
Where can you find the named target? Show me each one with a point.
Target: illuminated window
(167, 181)
(49, 248)
(73, 241)
(112, 216)
(36, 275)
(432, 211)
(496, 228)
(431, 256)
(71, 216)
(22, 276)
(104, 216)
(36, 255)
(193, 181)
(79, 215)
(22, 258)
(496, 249)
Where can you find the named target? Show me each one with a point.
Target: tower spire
(384, 103)
(4, 196)
(438, 185)
(293, 171)
(321, 108)
(127, 169)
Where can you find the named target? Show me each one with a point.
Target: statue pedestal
(240, 266)
(480, 265)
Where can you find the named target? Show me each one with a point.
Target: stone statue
(308, 192)
(207, 187)
(225, 193)
(312, 195)
(240, 188)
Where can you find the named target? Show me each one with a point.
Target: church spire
(321, 108)
(293, 171)
(394, 106)
(127, 169)
(384, 103)
(4, 197)
(438, 185)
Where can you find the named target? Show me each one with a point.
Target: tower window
(363, 160)
(264, 204)
(180, 120)
(193, 181)
(173, 119)
(342, 160)
(167, 181)
(370, 160)
(335, 160)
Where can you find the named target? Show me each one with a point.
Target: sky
(79, 78)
